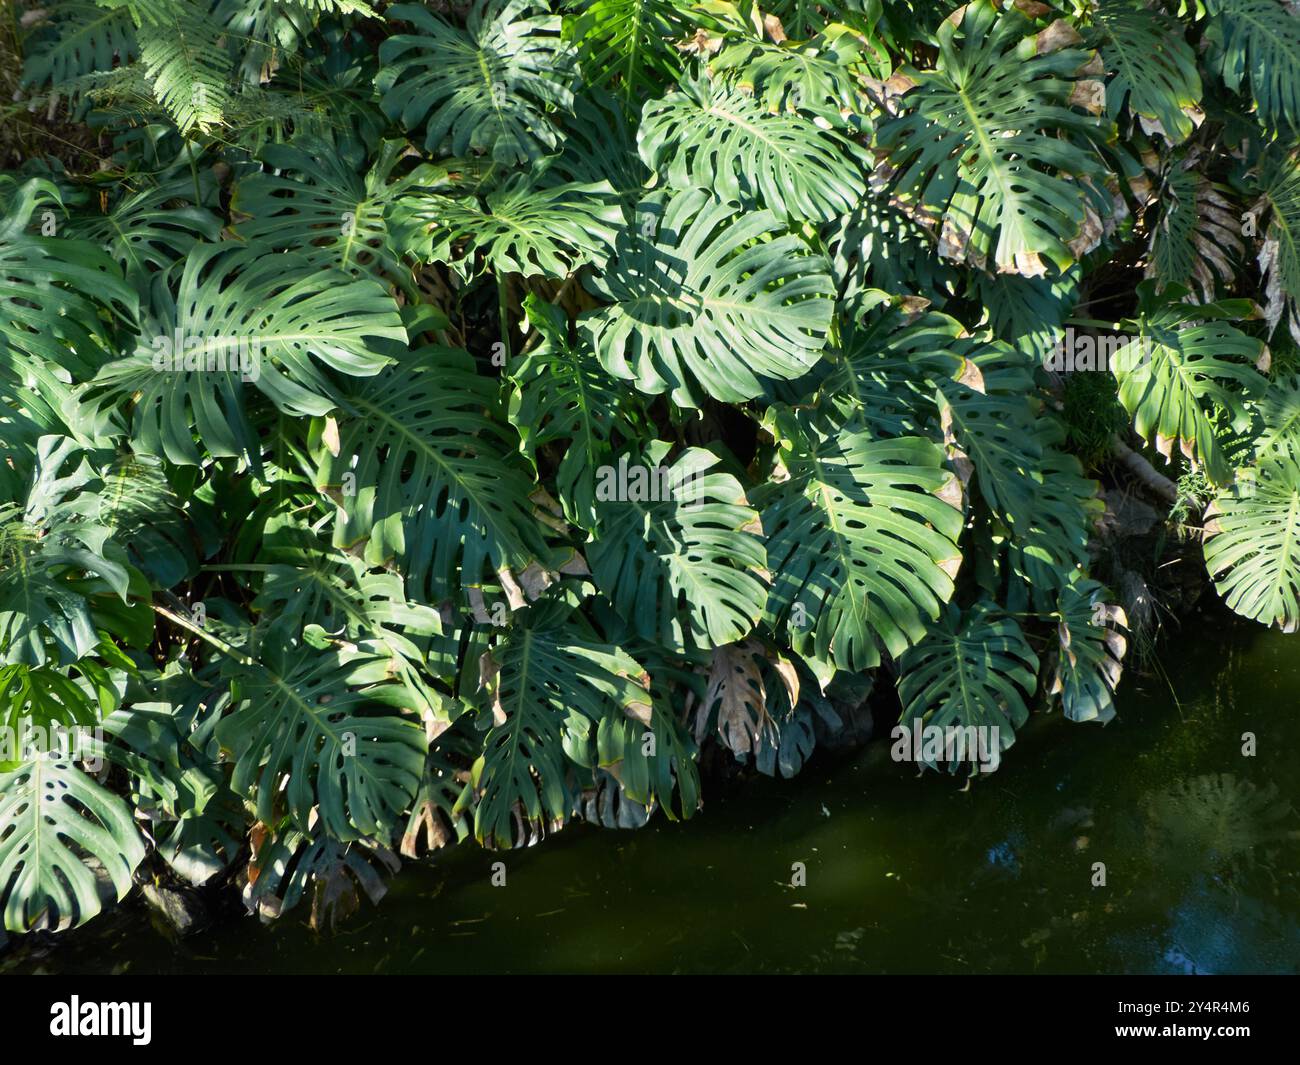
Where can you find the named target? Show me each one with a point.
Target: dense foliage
(425, 421)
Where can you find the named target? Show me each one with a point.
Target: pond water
(904, 875)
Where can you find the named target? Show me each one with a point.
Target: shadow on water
(1199, 845)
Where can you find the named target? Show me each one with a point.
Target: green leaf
(862, 542)
(1279, 411)
(292, 863)
(244, 316)
(1050, 541)
(1252, 543)
(649, 779)
(518, 229)
(1028, 312)
(993, 431)
(54, 557)
(818, 76)
(549, 683)
(47, 698)
(83, 37)
(145, 515)
(1196, 240)
(151, 228)
(53, 290)
(974, 669)
(627, 46)
(424, 475)
(319, 200)
(323, 729)
(189, 67)
(1176, 374)
(714, 137)
(706, 299)
(487, 88)
(682, 559)
(1090, 652)
(316, 585)
(1258, 41)
(1153, 65)
(52, 818)
(562, 399)
(990, 142)
(1279, 258)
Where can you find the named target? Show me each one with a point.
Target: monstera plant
(439, 420)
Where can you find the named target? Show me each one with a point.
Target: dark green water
(904, 874)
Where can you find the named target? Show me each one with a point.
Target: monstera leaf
(1258, 48)
(1153, 65)
(688, 545)
(435, 822)
(519, 229)
(1196, 240)
(244, 316)
(1050, 540)
(817, 75)
(991, 433)
(627, 46)
(990, 139)
(349, 600)
(33, 399)
(862, 542)
(82, 37)
(144, 514)
(650, 765)
(1029, 312)
(549, 684)
(266, 29)
(292, 865)
(54, 557)
(1091, 651)
(423, 475)
(887, 372)
(600, 146)
(1180, 370)
(1252, 545)
(323, 729)
(1279, 411)
(319, 200)
(705, 298)
(974, 669)
(48, 697)
(52, 289)
(53, 817)
(487, 88)
(563, 398)
(715, 137)
(879, 245)
(150, 229)
(1279, 258)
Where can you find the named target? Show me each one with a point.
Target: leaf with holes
(974, 670)
(682, 559)
(54, 821)
(706, 299)
(323, 730)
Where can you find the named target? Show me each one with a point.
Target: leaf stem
(219, 644)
